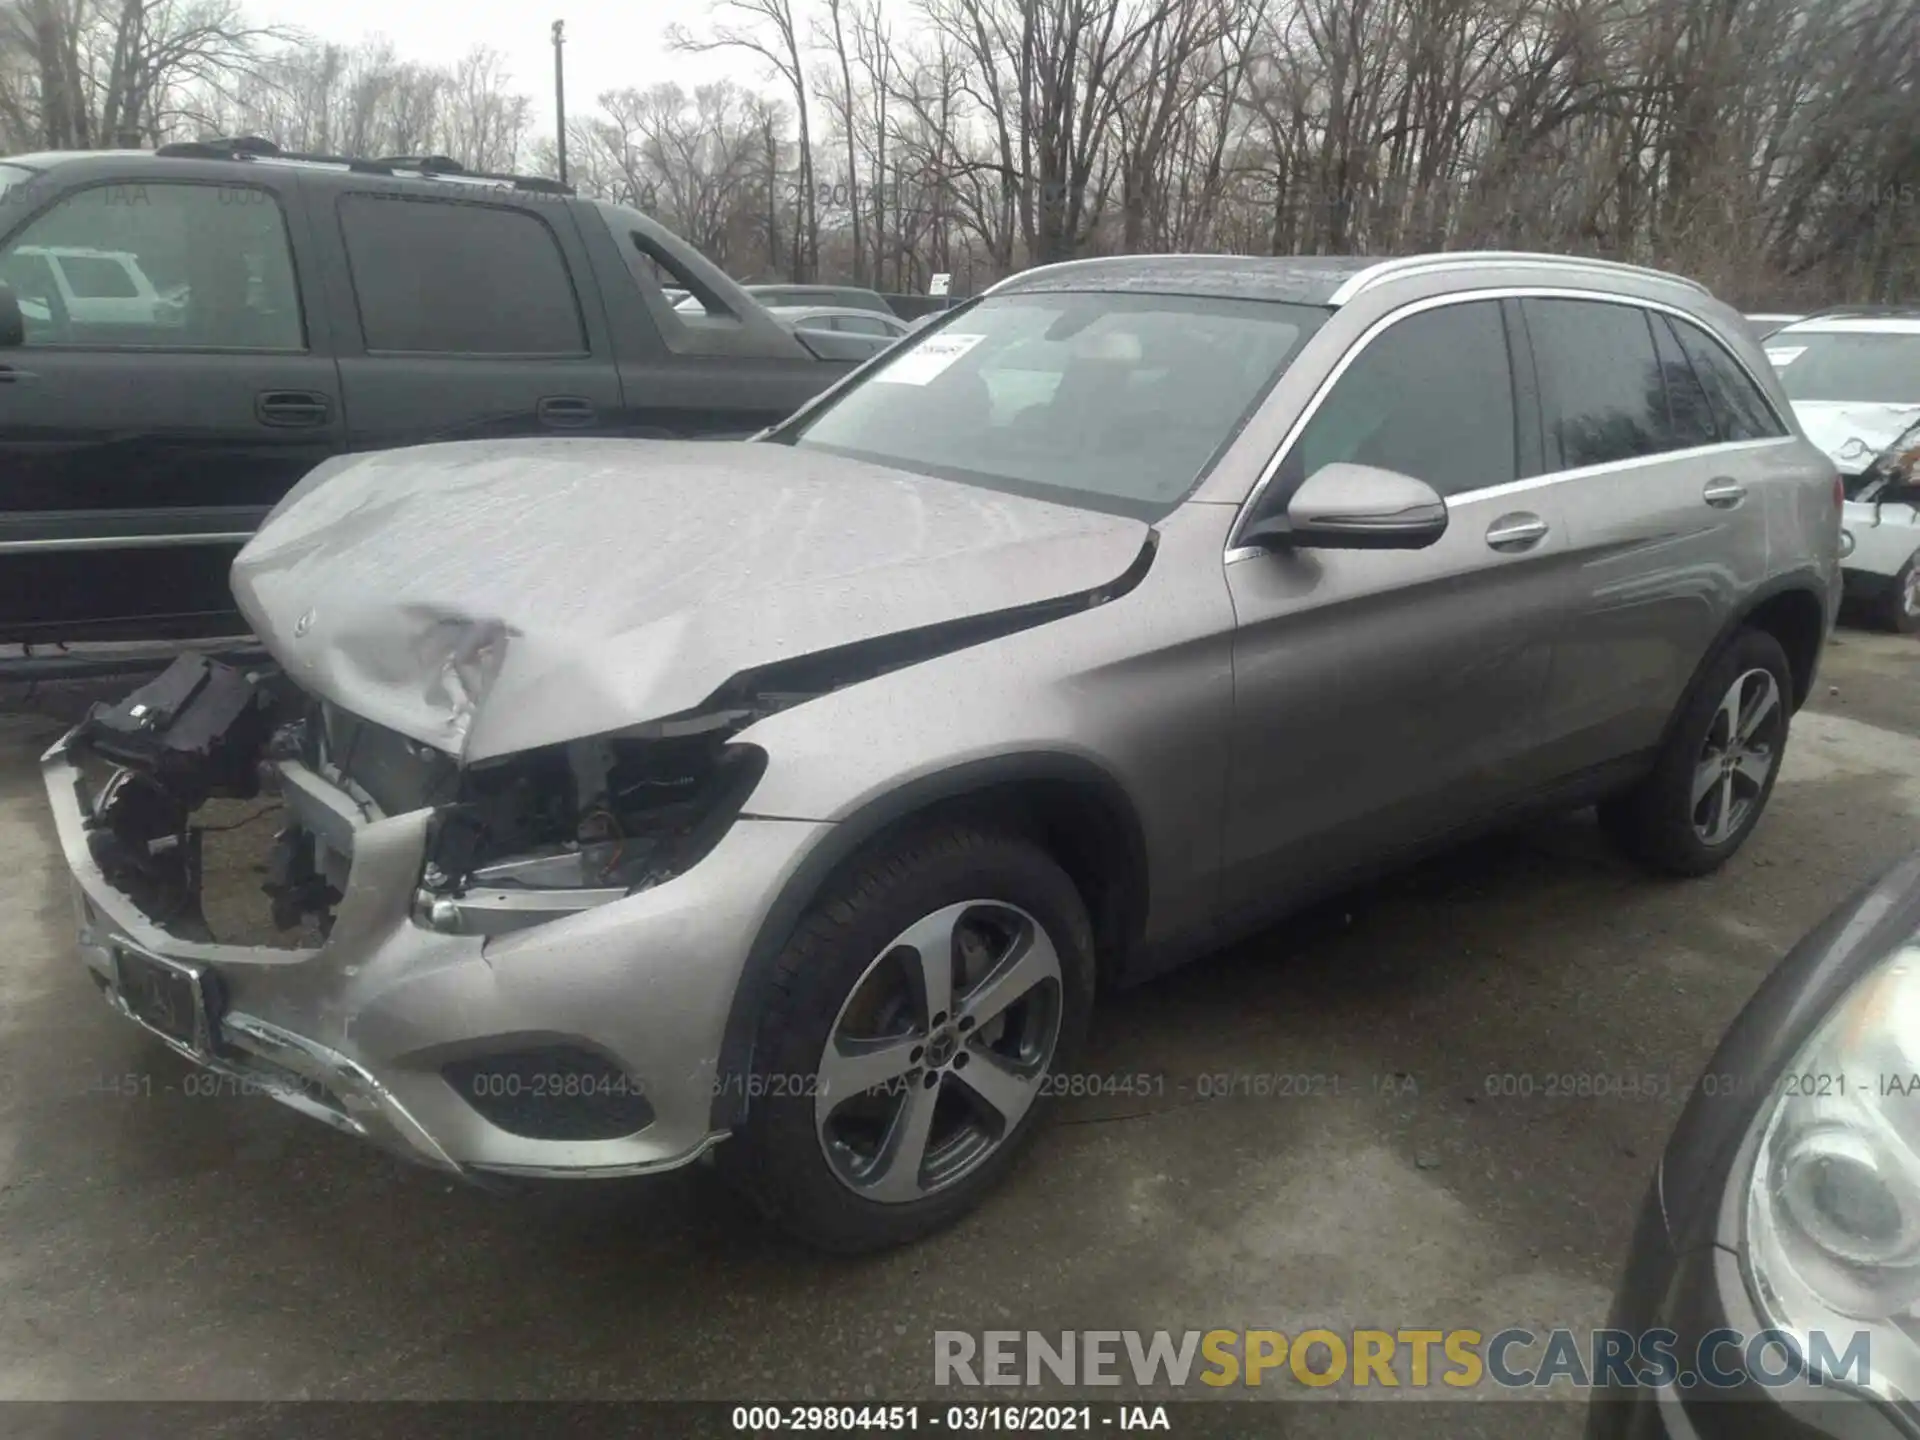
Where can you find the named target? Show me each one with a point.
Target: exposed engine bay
(589, 821)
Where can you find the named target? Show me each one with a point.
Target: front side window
(440, 277)
(1875, 367)
(1601, 383)
(1740, 411)
(165, 266)
(1110, 402)
(1430, 396)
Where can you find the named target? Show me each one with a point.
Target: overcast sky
(611, 44)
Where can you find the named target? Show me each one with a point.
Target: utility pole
(560, 97)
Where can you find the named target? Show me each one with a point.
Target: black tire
(1654, 822)
(1897, 608)
(776, 1155)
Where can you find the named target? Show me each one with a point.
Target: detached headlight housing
(563, 829)
(1833, 1202)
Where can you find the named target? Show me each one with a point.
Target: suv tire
(823, 1160)
(1704, 796)
(1898, 606)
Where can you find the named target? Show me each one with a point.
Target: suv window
(861, 325)
(90, 277)
(1431, 396)
(1600, 381)
(1690, 416)
(1740, 411)
(443, 277)
(215, 259)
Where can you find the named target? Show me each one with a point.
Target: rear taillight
(1839, 492)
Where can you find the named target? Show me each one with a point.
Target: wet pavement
(1442, 1163)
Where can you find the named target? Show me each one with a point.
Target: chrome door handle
(1723, 493)
(1518, 531)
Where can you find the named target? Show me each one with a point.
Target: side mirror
(1355, 507)
(13, 324)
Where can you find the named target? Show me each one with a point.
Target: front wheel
(916, 1018)
(1717, 768)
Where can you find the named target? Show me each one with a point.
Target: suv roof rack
(1406, 265)
(426, 167)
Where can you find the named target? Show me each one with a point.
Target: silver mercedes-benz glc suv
(788, 799)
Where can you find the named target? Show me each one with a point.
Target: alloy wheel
(939, 1051)
(1741, 749)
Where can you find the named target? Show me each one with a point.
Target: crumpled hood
(1853, 432)
(491, 596)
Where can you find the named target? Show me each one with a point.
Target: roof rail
(427, 167)
(1406, 265)
(1907, 311)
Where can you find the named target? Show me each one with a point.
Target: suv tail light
(1839, 491)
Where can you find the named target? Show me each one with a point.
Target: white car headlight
(1833, 1203)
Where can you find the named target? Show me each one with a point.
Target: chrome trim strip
(124, 542)
(1235, 552)
(605, 1172)
(1404, 266)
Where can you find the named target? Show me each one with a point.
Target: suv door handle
(566, 412)
(1724, 493)
(1521, 530)
(291, 409)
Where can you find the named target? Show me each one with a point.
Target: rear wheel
(1718, 766)
(902, 1061)
(1899, 604)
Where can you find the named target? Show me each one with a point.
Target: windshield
(1876, 367)
(1107, 401)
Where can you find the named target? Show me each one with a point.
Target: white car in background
(1853, 377)
(91, 287)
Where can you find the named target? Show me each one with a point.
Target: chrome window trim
(1404, 266)
(1235, 551)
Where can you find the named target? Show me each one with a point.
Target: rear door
(465, 317)
(1666, 515)
(1385, 697)
(143, 439)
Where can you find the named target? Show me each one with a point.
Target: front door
(1382, 697)
(169, 391)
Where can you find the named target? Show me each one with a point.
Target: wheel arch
(1073, 806)
(1793, 611)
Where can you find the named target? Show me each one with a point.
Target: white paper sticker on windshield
(1784, 355)
(926, 359)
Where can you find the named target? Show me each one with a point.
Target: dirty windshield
(1867, 367)
(1111, 402)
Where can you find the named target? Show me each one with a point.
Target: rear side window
(442, 278)
(1740, 411)
(1690, 417)
(861, 325)
(1600, 382)
(1431, 396)
(92, 278)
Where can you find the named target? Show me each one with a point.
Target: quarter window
(164, 266)
(1602, 385)
(1431, 397)
(1739, 409)
(1690, 416)
(440, 277)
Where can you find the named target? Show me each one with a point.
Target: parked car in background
(790, 797)
(1765, 325)
(1853, 376)
(86, 287)
(285, 309)
(845, 297)
(876, 331)
(1788, 1200)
